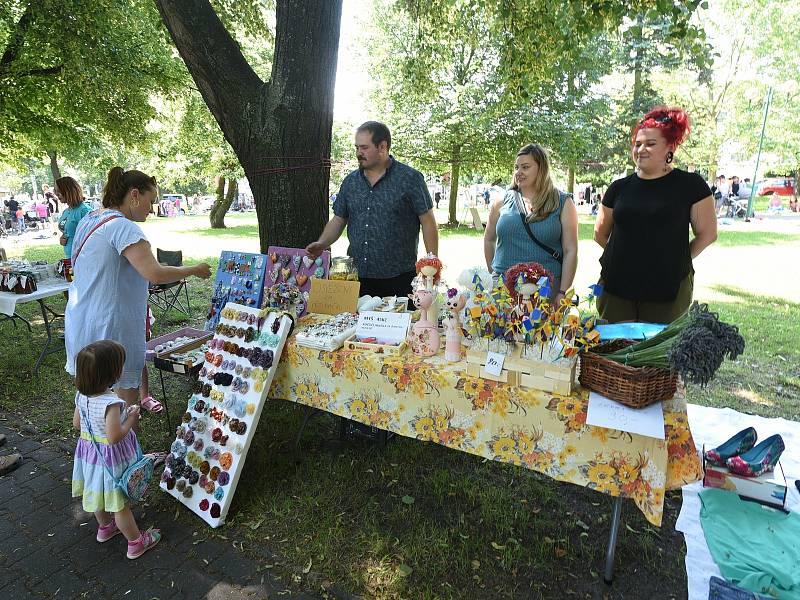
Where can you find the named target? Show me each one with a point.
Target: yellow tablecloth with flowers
(432, 400)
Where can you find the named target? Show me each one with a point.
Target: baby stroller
(733, 207)
(32, 220)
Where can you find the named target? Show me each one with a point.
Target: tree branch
(214, 60)
(17, 37)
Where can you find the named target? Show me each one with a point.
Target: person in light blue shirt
(533, 203)
(69, 192)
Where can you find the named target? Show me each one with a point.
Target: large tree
(280, 129)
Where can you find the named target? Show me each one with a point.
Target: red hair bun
(672, 122)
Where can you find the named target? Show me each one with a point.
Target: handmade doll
(471, 280)
(452, 323)
(429, 269)
(424, 337)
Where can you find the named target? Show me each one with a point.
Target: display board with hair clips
(205, 461)
(291, 266)
(240, 278)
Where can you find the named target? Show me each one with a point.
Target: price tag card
(383, 327)
(494, 363)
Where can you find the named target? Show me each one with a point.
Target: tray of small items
(177, 342)
(329, 334)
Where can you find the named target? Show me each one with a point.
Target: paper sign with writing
(604, 412)
(494, 363)
(384, 327)
(333, 296)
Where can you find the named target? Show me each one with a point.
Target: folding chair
(166, 296)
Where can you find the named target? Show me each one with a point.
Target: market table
(8, 311)
(432, 400)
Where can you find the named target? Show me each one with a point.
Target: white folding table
(8, 312)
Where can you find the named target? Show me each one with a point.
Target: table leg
(47, 322)
(13, 318)
(608, 575)
(164, 400)
(309, 412)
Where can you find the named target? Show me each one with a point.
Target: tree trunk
(571, 179)
(221, 206)
(455, 168)
(280, 130)
(54, 165)
(638, 68)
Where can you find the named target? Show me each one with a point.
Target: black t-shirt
(13, 206)
(647, 255)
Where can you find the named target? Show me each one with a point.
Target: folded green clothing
(754, 546)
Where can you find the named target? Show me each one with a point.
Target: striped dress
(89, 479)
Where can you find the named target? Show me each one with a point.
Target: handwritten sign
(494, 363)
(333, 296)
(383, 327)
(647, 421)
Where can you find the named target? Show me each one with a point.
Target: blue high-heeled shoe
(739, 443)
(760, 459)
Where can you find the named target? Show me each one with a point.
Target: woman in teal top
(69, 191)
(550, 215)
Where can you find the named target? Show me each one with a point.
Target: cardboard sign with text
(333, 296)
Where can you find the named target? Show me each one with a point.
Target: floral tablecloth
(432, 400)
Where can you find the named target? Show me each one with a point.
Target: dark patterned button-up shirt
(383, 220)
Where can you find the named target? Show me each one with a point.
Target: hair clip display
(215, 432)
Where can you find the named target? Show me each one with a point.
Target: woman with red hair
(643, 226)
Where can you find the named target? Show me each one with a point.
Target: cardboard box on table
(769, 488)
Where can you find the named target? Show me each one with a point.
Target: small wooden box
(547, 376)
(353, 344)
(166, 362)
(506, 376)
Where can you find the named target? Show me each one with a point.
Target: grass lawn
(417, 520)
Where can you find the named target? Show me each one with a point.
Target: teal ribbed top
(515, 246)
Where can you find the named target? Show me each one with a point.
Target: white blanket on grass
(712, 426)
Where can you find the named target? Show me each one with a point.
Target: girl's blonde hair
(545, 195)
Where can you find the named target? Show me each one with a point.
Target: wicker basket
(636, 387)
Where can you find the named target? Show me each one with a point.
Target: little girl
(97, 367)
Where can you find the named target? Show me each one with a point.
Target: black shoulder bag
(554, 253)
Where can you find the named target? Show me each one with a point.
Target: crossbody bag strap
(88, 235)
(552, 252)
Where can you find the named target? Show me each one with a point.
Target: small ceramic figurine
(452, 323)
(424, 337)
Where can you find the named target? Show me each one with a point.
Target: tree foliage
(73, 71)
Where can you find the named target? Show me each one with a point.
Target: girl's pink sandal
(106, 532)
(146, 540)
(152, 405)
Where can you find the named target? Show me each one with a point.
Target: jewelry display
(210, 446)
(240, 278)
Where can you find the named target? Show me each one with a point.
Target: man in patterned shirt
(383, 205)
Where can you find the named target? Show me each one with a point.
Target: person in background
(643, 226)
(383, 204)
(734, 186)
(13, 206)
(112, 264)
(69, 192)
(50, 198)
(534, 222)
